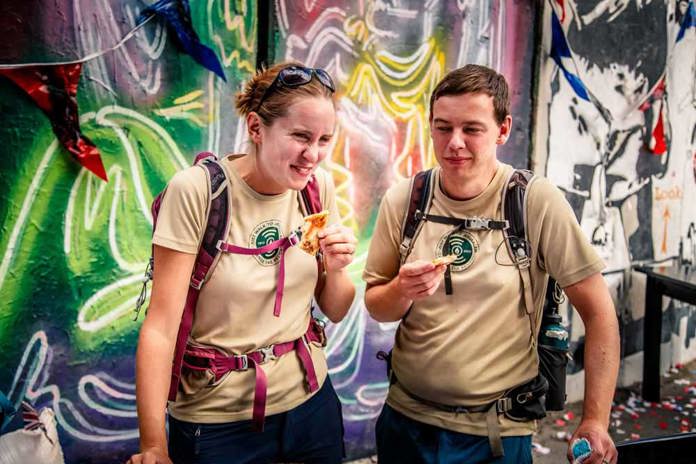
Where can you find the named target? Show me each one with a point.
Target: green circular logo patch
(464, 245)
(263, 234)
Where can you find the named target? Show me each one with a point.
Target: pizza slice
(310, 231)
(445, 260)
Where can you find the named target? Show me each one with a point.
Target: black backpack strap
(514, 211)
(419, 201)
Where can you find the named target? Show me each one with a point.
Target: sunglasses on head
(296, 76)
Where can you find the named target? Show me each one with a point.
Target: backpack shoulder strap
(216, 230)
(514, 209)
(217, 221)
(310, 202)
(419, 200)
(310, 197)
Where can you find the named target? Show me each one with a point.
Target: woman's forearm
(337, 295)
(152, 377)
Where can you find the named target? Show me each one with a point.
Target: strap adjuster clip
(267, 354)
(244, 360)
(503, 404)
(294, 237)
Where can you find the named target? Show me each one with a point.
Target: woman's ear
(254, 127)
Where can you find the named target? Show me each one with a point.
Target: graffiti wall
(624, 156)
(387, 57)
(73, 248)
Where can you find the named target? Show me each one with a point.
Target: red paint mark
(658, 145)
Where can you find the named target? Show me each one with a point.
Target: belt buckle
(267, 354)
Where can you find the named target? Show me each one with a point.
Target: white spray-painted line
(93, 325)
(124, 264)
(27, 203)
(282, 14)
(39, 343)
(70, 211)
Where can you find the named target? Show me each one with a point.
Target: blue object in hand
(581, 450)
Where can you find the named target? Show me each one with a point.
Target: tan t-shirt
(235, 307)
(468, 348)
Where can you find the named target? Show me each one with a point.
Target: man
(466, 347)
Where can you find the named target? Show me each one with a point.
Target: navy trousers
(402, 440)
(311, 433)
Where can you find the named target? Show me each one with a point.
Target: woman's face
(290, 149)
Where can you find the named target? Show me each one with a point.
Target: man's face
(465, 135)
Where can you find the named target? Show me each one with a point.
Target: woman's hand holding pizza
(338, 246)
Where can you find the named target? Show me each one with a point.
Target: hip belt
(209, 359)
(522, 403)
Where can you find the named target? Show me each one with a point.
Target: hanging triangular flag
(561, 54)
(689, 20)
(177, 13)
(54, 89)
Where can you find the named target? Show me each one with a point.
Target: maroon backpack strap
(310, 197)
(216, 229)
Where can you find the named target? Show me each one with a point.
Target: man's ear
(504, 130)
(254, 127)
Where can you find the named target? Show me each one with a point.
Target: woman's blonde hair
(276, 103)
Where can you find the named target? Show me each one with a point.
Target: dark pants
(402, 440)
(311, 433)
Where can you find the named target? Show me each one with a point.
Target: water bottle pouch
(552, 366)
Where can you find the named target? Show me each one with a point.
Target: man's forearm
(592, 300)
(385, 302)
(601, 366)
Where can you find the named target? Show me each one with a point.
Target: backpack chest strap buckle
(477, 223)
(267, 354)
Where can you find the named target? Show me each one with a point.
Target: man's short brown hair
(474, 78)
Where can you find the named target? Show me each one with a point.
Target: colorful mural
(625, 155)
(386, 58)
(73, 248)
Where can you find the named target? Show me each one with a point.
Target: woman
(291, 117)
